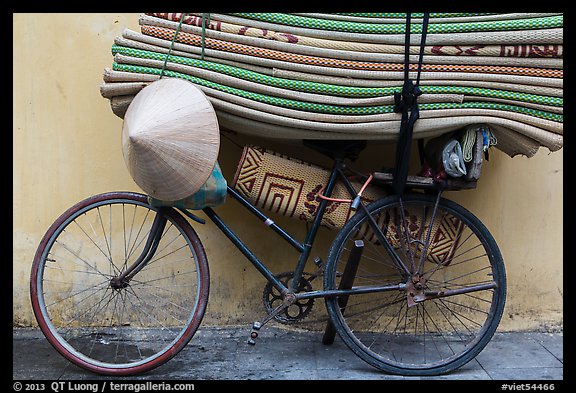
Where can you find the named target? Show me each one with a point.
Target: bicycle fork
(122, 280)
(417, 290)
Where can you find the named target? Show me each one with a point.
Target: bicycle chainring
(298, 310)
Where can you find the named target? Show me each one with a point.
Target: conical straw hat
(170, 139)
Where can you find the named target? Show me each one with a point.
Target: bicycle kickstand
(289, 298)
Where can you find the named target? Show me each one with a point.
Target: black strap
(423, 33)
(406, 102)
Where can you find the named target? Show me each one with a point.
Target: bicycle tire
(435, 335)
(118, 330)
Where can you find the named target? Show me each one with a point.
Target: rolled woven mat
(120, 104)
(295, 76)
(367, 124)
(384, 59)
(120, 76)
(108, 90)
(385, 109)
(504, 101)
(222, 99)
(546, 30)
(442, 54)
(110, 75)
(316, 103)
(513, 142)
(203, 68)
(433, 123)
(351, 73)
(292, 187)
(512, 82)
(364, 127)
(425, 128)
(417, 17)
(512, 139)
(161, 46)
(530, 22)
(520, 84)
(349, 77)
(448, 16)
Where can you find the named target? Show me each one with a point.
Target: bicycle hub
(118, 283)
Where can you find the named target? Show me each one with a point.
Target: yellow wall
(66, 147)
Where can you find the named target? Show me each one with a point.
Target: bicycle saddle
(337, 149)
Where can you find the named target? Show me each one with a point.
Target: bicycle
(413, 284)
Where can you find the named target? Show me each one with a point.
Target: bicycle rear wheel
(109, 328)
(445, 312)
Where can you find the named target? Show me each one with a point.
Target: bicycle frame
(305, 247)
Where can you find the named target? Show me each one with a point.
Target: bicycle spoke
(161, 308)
(74, 294)
(125, 264)
(136, 245)
(72, 271)
(109, 256)
(92, 241)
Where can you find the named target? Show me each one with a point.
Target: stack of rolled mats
(333, 76)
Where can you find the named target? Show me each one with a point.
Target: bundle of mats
(333, 76)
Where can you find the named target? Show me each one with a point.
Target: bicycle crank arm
(289, 299)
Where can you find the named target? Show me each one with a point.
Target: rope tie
(172, 44)
(469, 139)
(204, 17)
(468, 142)
(406, 103)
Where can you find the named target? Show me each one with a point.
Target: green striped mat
(332, 109)
(336, 90)
(402, 15)
(546, 22)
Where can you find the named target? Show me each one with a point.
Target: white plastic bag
(452, 159)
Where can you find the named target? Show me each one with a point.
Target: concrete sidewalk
(222, 353)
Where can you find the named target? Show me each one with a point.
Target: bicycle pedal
(320, 269)
(318, 262)
(254, 333)
(287, 301)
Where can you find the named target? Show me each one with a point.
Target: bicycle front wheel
(449, 282)
(98, 324)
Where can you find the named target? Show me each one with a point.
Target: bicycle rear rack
(421, 182)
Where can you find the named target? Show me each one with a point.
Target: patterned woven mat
(291, 187)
